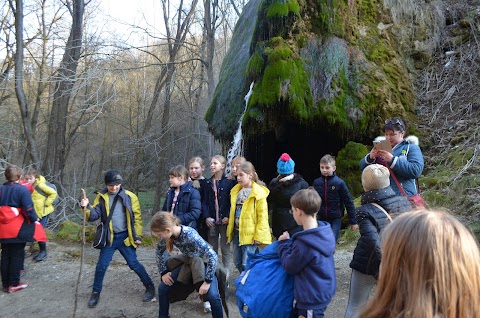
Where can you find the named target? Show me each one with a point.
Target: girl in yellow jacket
(248, 222)
(43, 197)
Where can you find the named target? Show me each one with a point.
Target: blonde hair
(430, 268)
(238, 160)
(248, 168)
(197, 160)
(160, 222)
(220, 159)
(328, 159)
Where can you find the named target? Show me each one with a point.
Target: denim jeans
(43, 222)
(213, 296)
(360, 288)
(240, 253)
(219, 232)
(336, 225)
(130, 255)
(13, 256)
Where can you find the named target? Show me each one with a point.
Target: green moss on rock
(348, 169)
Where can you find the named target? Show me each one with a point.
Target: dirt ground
(53, 284)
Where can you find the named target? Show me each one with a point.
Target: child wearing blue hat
(282, 188)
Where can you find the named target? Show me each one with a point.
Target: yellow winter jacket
(101, 209)
(253, 222)
(43, 203)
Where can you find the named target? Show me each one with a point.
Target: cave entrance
(305, 145)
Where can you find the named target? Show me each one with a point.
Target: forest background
(77, 99)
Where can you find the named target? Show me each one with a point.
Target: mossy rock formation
(326, 72)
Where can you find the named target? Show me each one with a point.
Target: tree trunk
(22, 100)
(56, 151)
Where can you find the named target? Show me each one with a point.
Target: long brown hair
(248, 168)
(430, 268)
(160, 222)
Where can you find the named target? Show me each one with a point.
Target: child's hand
(204, 288)
(225, 221)
(354, 227)
(168, 280)
(210, 222)
(84, 203)
(284, 236)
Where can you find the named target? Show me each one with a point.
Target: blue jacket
(188, 207)
(224, 185)
(407, 165)
(371, 221)
(335, 198)
(308, 255)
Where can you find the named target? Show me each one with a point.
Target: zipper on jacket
(326, 198)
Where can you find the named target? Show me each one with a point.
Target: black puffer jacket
(281, 190)
(371, 220)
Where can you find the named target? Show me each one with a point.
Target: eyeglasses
(395, 121)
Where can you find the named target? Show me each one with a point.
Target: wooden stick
(82, 254)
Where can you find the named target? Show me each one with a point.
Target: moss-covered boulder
(326, 62)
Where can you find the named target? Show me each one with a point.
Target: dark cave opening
(305, 145)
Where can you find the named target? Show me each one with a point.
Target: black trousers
(13, 256)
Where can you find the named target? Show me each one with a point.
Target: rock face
(326, 72)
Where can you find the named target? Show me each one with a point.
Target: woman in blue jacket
(182, 199)
(405, 160)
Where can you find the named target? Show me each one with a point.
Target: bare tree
(22, 100)
(56, 153)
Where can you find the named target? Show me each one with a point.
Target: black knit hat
(113, 177)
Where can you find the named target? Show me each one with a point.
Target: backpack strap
(383, 210)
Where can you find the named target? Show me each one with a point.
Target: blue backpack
(264, 289)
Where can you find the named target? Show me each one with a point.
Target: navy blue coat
(371, 221)
(335, 198)
(407, 165)
(224, 185)
(189, 205)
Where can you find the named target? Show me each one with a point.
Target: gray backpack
(54, 187)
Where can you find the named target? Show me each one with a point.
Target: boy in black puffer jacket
(371, 219)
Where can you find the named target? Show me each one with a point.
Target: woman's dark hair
(395, 124)
(13, 173)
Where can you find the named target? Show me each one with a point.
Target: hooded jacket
(371, 221)
(188, 207)
(407, 164)
(308, 255)
(281, 190)
(253, 217)
(43, 203)
(101, 209)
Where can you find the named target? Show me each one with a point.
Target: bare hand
(225, 221)
(354, 227)
(138, 242)
(84, 202)
(386, 155)
(204, 288)
(210, 222)
(284, 236)
(167, 279)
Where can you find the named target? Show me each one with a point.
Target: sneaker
(149, 294)
(20, 286)
(207, 307)
(94, 299)
(41, 256)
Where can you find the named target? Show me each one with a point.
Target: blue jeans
(43, 222)
(336, 225)
(128, 253)
(213, 296)
(240, 253)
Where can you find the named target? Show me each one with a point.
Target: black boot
(94, 299)
(42, 254)
(149, 293)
